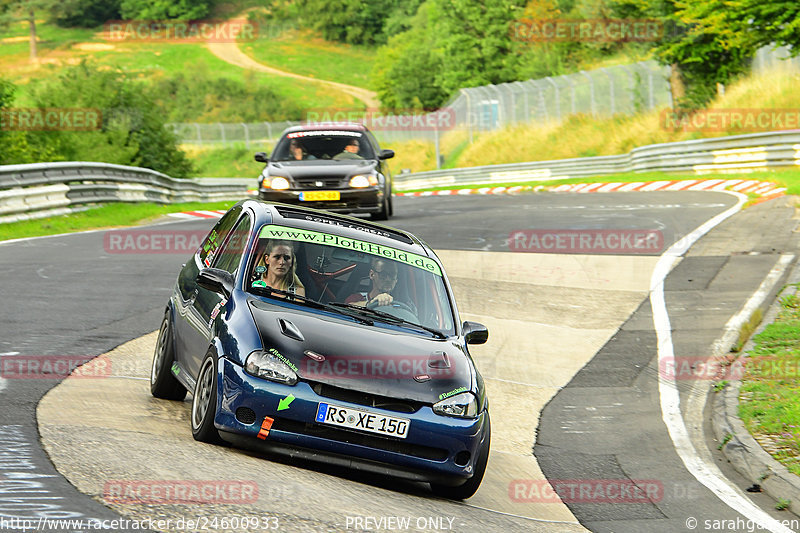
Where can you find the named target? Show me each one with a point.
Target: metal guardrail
(45, 189)
(740, 153)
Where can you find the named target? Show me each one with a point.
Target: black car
(282, 328)
(336, 167)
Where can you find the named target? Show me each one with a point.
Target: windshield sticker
(452, 393)
(322, 133)
(294, 234)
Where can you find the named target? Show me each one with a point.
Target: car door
(208, 304)
(188, 323)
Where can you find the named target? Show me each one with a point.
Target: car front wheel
(204, 403)
(162, 383)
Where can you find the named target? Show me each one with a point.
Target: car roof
(333, 223)
(343, 126)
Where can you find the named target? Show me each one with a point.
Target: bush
(132, 130)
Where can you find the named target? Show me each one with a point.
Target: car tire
(162, 383)
(391, 205)
(383, 214)
(470, 487)
(204, 403)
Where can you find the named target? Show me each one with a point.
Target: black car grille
(360, 439)
(367, 400)
(312, 183)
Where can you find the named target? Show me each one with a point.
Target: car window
(217, 236)
(230, 255)
(321, 144)
(336, 269)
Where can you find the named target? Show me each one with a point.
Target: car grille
(311, 183)
(368, 400)
(352, 437)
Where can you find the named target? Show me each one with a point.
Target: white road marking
(707, 474)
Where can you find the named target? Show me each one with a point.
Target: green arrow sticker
(284, 403)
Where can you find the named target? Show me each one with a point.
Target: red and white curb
(199, 214)
(483, 190)
(763, 189)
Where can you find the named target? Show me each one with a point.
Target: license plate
(348, 417)
(319, 196)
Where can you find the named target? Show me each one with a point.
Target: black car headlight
(464, 405)
(272, 366)
(276, 183)
(360, 181)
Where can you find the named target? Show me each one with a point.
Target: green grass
(770, 393)
(105, 216)
(233, 161)
(147, 60)
(303, 52)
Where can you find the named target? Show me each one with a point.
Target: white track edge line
(708, 475)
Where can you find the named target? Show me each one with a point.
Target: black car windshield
(334, 145)
(331, 269)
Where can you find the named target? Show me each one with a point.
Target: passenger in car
(297, 151)
(281, 265)
(350, 151)
(383, 276)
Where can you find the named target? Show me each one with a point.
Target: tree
(25, 10)
(164, 9)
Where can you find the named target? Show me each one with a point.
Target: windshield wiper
(269, 291)
(388, 317)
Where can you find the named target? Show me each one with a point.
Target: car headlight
(359, 181)
(464, 405)
(271, 365)
(279, 183)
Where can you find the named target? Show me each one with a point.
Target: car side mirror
(386, 154)
(216, 280)
(261, 157)
(475, 333)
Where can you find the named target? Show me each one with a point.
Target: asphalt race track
(571, 367)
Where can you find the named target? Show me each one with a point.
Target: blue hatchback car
(326, 337)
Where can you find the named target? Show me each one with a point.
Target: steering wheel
(395, 303)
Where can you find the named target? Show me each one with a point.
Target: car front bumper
(434, 449)
(368, 200)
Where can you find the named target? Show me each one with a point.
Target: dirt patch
(94, 47)
(20, 39)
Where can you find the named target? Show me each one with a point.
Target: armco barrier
(44, 189)
(739, 153)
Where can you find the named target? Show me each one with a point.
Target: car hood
(369, 359)
(320, 168)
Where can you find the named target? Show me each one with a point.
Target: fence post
(610, 90)
(558, 96)
(631, 90)
(222, 132)
(650, 88)
(572, 93)
(246, 136)
(197, 129)
(591, 92)
(469, 113)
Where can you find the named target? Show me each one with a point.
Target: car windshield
(351, 276)
(336, 145)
